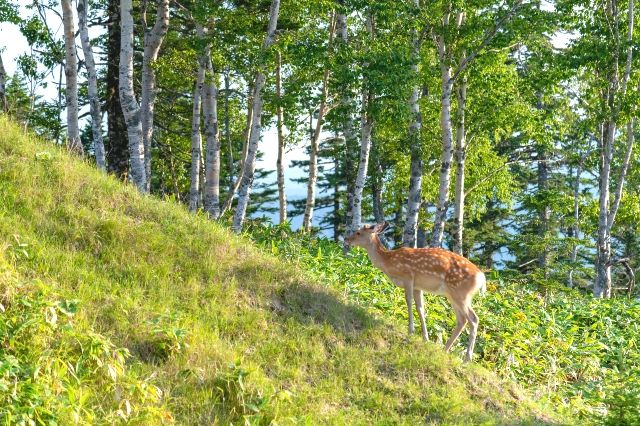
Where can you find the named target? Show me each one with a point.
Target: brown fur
(434, 270)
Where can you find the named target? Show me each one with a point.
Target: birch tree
(71, 79)
(366, 128)
(212, 137)
(414, 199)
(282, 195)
(92, 84)
(130, 106)
(196, 138)
(460, 152)
(451, 21)
(256, 128)
(315, 137)
(152, 41)
(613, 96)
(347, 109)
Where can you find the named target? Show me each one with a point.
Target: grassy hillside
(119, 307)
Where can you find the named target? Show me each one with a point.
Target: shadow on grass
(307, 305)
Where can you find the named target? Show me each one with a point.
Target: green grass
(166, 315)
(567, 348)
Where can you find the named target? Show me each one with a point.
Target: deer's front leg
(417, 294)
(408, 296)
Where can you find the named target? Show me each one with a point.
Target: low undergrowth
(566, 347)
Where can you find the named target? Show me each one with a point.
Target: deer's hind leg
(461, 321)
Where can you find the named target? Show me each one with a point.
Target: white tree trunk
(196, 139)
(282, 195)
(71, 78)
(92, 83)
(348, 126)
(252, 147)
(212, 136)
(152, 42)
(366, 124)
(602, 286)
(447, 155)
(3, 90)
(414, 199)
(607, 214)
(315, 142)
(130, 107)
(461, 153)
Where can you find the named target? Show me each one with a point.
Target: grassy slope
(223, 329)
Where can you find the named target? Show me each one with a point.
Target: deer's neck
(377, 252)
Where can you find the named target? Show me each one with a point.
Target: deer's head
(364, 236)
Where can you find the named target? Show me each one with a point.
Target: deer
(434, 270)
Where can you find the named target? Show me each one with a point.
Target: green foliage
(54, 371)
(566, 347)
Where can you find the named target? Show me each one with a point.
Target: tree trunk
(414, 199)
(348, 126)
(252, 147)
(117, 150)
(196, 140)
(71, 78)
(282, 195)
(243, 156)
(227, 131)
(3, 91)
(212, 160)
(376, 191)
(447, 153)
(607, 214)
(575, 229)
(602, 287)
(365, 147)
(461, 154)
(92, 83)
(130, 106)
(152, 42)
(544, 212)
(336, 199)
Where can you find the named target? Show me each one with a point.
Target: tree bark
(606, 211)
(414, 199)
(366, 127)
(71, 79)
(196, 139)
(117, 150)
(3, 90)
(544, 212)
(212, 160)
(130, 106)
(348, 126)
(282, 195)
(152, 42)
(575, 229)
(461, 154)
(92, 83)
(447, 153)
(252, 147)
(247, 134)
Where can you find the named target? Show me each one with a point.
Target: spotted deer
(434, 270)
